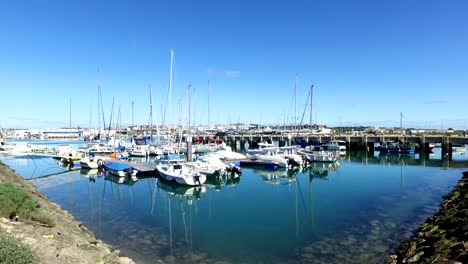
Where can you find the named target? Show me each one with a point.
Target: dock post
(289, 140)
(450, 149)
(427, 150)
(233, 142)
(370, 147)
(446, 148)
(423, 145)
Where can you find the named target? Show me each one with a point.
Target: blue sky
(368, 60)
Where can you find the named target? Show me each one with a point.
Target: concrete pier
(355, 142)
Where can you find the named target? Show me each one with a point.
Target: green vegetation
(14, 202)
(14, 251)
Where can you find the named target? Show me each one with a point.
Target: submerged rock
(441, 239)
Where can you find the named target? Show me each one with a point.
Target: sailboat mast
(295, 103)
(189, 105)
(194, 108)
(151, 113)
(112, 114)
(117, 127)
(99, 103)
(70, 117)
(180, 111)
(209, 90)
(311, 96)
(170, 87)
(152, 110)
(90, 119)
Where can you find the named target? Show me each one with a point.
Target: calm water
(355, 212)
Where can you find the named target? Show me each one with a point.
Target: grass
(15, 202)
(14, 251)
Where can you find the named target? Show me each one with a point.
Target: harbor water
(356, 211)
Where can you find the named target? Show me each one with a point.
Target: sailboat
(66, 153)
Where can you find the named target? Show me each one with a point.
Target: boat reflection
(181, 190)
(388, 159)
(322, 170)
(277, 176)
(90, 172)
(222, 180)
(69, 165)
(127, 180)
(270, 176)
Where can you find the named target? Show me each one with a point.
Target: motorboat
(290, 154)
(319, 156)
(120, 169)
(26, 148)
(93, 162)
(268, 153)
(396, 148)
(458, 148)
(229, 155)
(139, 151)
(180, 173)
(155, 150)
(99, 149)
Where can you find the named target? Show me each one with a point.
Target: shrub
(14, 251)
(41, 217)
(15, 202)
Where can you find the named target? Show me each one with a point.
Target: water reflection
(188, 192)
(218, 182)
(322, 170)
(356, 210)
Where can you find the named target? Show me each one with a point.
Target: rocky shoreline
(443, 238)
(67, 242)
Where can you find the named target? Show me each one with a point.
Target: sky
(368, 60)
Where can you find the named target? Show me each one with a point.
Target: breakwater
(443, 237)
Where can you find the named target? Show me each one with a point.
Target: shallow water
(356, 212)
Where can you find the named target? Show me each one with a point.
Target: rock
(415, 257)
(170, 259)
(381, 248)
(392, 259)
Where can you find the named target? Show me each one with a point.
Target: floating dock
(143, 170)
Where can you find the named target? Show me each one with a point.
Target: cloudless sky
(368, 60)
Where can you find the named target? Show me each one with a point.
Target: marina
(233, 132)
(354, 210)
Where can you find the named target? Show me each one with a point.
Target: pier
(365, 142)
